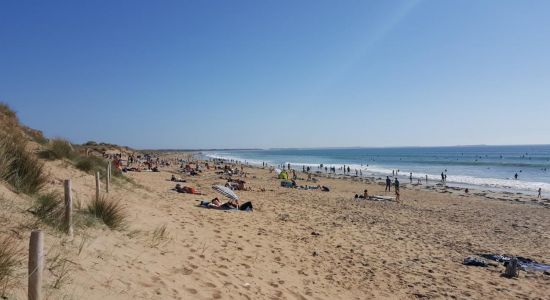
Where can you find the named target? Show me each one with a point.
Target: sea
(482, 167)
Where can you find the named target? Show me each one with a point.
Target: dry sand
(298, 244)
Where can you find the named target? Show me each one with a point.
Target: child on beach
(396, 187)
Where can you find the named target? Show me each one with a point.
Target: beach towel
(474, 261)
(286, 183)
(525, 264)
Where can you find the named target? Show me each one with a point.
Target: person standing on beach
(426, 178)
(411, 177)
(396, 187)
(442, 176)
(388, 184)
(540, 193)
(516, 176)
(445, 178)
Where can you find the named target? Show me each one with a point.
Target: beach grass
(111, 212)
(58, 149)
(10, 260)
(20, 167)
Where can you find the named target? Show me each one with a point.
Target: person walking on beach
(426, 178)
(442, 176)
(540, 193)
(411, 177)
(396, 187)
(388, 184)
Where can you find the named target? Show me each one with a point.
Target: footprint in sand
(217, 295)
(186, 271)
(192, 291)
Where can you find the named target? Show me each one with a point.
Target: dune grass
(10, 260)
(19, 167)
(49, 208)
(91, 164)
(7, 112)
(58, 149)
(111, 212)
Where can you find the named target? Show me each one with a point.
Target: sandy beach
(296, 244)
(198, 150)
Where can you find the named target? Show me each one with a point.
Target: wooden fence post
(97, 186)
(68, 207)
(108, 179)
(36, 265)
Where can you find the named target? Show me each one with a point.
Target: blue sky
(231, 74)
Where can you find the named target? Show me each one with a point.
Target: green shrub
(20, 168)
(111, 212)
(91, 164)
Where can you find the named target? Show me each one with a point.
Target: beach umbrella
(225, 191)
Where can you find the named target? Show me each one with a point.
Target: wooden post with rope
(36, 265)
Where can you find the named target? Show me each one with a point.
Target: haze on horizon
(275, 74)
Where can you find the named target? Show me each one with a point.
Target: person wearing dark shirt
(388, 184)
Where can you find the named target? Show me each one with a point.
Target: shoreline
(486, 187)
(433, 186)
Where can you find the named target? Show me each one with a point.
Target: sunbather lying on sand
(231, 204)
(177, 179)
(186, 189)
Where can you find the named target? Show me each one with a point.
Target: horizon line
(349, 147)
